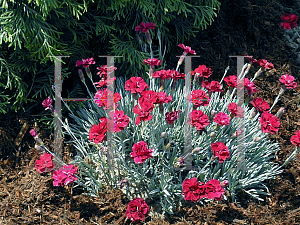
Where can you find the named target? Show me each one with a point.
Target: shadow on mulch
(242, 27)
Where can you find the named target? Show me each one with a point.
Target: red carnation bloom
(236, 110)
(136, 85)
(214, 190)
(143, 109)
(260, 105)
(85, 62)
(145, 27)
(198, 98)
(177, 76)
(97, 133)
(193, 190)
(251, 59)
(289, 21)
(163, 98)
(231, 81)
(187, 49)
(221, 119)
(120, 120)
(269, 123)
(104, 82)
(250, 86)
(65, 175)
(137, 210)
(164, 74)
(172, 116)
(202, 71)
(101, 98)
(140, 152)
(220, 150)
(213, 86)
(288, 81)
(47, 103)
(149, 95)
(295, 139)
(198, 119)
(264, 63)
(104, 70)
(45, 163)
(152, 62)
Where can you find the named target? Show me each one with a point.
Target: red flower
(250, 86)
(104, 82)
(33, 133)
(187, 49)
(198, 98)
(202, 71)
(172, 116)
(143, 109)
(236, 110)
(163, 98)
(221, 119)
(260, 105)
(85, 62)
(101, 98)
(193, 190)
(220, 150)
(295, 139)
(164, 74)
(231, 81)
(149, 95)
(269, 123)
(251, 59)
(288, 81)
(214, 190)
(152, 62)
(177, 76)
(104, 70)
(145, 27)
(45, 163)
(97, 133)
(214, 86)
(137, 210)
(47, 103)
(136, 85)
(64, 175)
(140, 152)
(198, 119)
(289, 21)
(264, 63)
(120, 120)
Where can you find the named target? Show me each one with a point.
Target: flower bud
(33, 133)
(280, 112)
(196, 150)
(81, 75)
(39, 148)
(212, 134)
(164, 135)
(212, 114)
(123, 183)
(167, 147)
(256, 139)
(224, 183)
(148, 38)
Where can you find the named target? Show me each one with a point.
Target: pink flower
(152, 62)
(220, 150)
(236, 110)
(149, 95)
(163, 98)
(269, 123)
(143, 109)
(295, 139)
(250, 86)
(289, 21)
(45, 163)
(140, 152)
(137, 210)
(193, 190)
(198, 98)
(101, 98)
(198, 119)
(145, 27)
(97, 133)
(221, 119)
(64, 175)
(288, 81)
(213, 86)
(260, 105)
(33, 133)
(85, 62)
(187, 49)
(47, 103)
(104, 82)
(104, 70)
(214, 190)
(120, 120)
(264, 63)
(136, 85)
(177, 76)
(231, 81)
(164, 74)
(202, 71)
(172, 116)
(251, 59)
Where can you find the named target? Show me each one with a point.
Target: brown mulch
(242, 27)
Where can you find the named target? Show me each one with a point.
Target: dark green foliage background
(31, 31)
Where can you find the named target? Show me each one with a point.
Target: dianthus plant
(147, 156)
